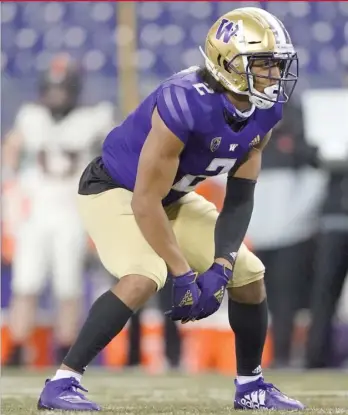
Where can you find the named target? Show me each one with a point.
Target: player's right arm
(158, 165)
(14, 141)
(11, 151)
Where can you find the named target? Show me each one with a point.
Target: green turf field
(139, 394)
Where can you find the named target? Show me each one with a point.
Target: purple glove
(185, 294)
(212, 284)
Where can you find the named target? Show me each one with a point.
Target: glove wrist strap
(184, 279)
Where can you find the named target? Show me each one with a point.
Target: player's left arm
(230, 230)
(234, 219)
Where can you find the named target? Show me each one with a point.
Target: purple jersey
(196, 115)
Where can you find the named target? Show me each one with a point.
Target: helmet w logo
(226, 30)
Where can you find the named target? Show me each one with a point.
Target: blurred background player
(49, 144)
(331, 256)
(287, 247)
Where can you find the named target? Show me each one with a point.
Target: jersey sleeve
(177, 109)
(28, 117)
(23, 116)
(104, 118)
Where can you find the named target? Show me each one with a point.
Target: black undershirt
(95, 179)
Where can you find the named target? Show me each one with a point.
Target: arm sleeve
(233, 221)
(176, 111)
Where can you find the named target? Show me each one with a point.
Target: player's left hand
(212, 284)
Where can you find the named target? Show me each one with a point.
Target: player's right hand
(185, 294)
(212, 284)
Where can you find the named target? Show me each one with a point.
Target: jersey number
(189, 182)
(203, 89)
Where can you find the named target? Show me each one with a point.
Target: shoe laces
(74, 386)
(266, 386)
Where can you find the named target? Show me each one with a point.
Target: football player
(138, 204)
(50, 143)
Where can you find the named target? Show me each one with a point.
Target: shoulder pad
(184, 107)
(26, 113)
(28, 109)
(99, 116)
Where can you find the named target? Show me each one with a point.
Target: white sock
(62, 374)
(242, 380)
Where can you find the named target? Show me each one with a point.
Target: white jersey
(56, 152)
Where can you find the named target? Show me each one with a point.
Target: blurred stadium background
(125, 50)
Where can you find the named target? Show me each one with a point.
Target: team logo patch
(226, 30)
(187, 299)
(219, 295)
(215, 144)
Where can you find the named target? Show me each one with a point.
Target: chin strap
(231, 109)
(246, 114)
(260, 103)
(270, 92)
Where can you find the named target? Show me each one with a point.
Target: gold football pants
(109, 220)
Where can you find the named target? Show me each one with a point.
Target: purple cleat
(62, 394)
(262, 395)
